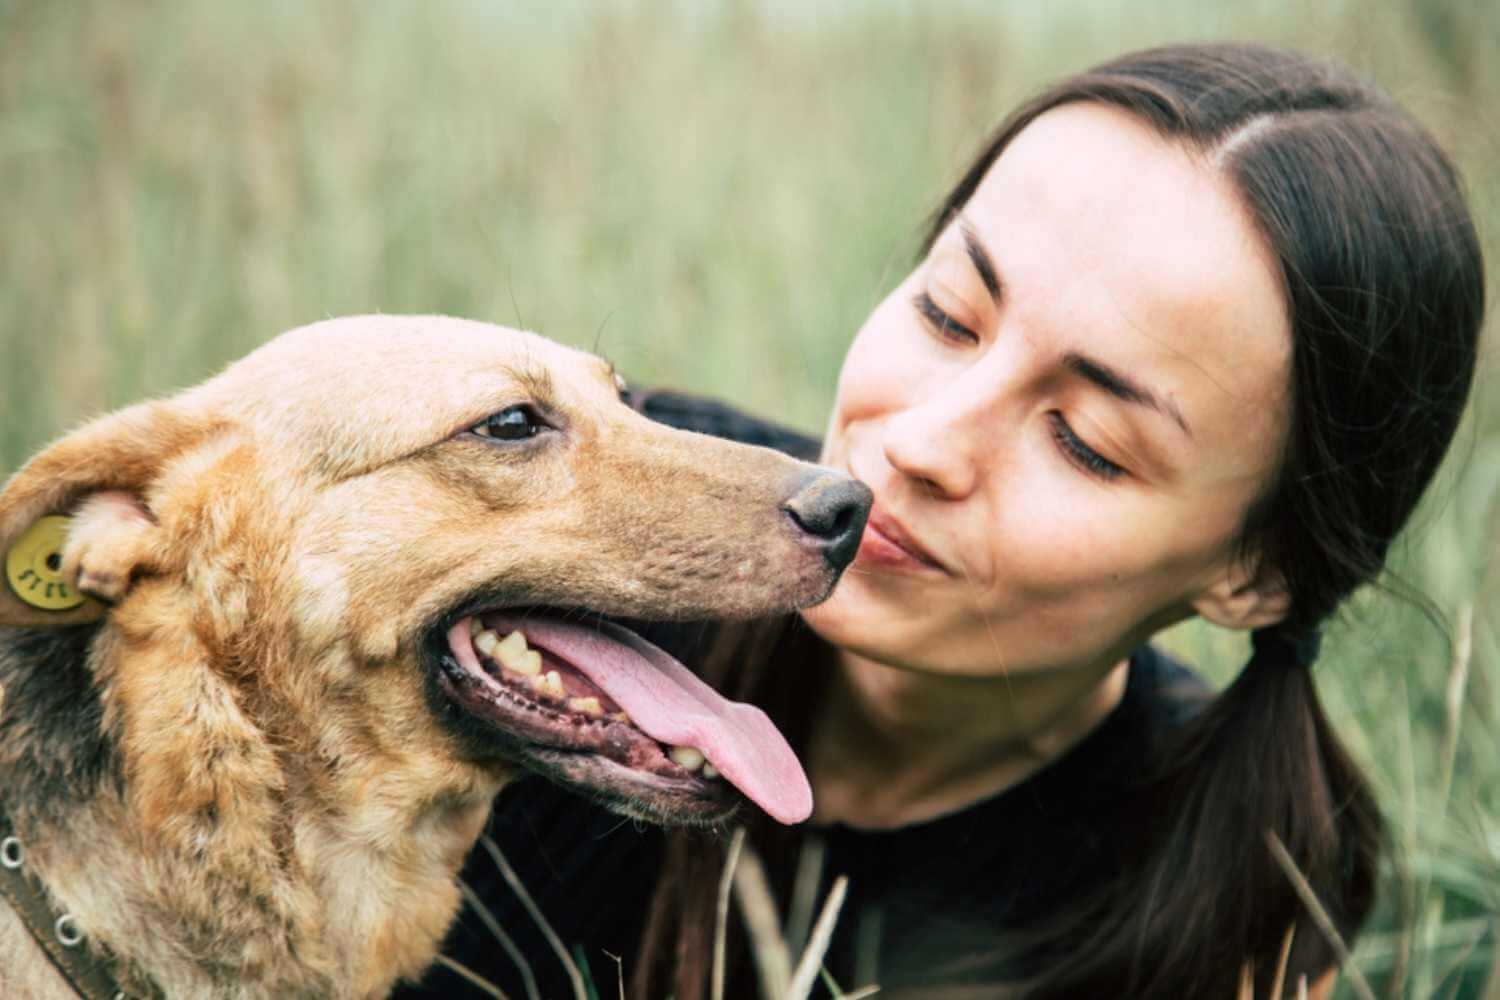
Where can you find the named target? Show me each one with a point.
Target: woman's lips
(888, 545)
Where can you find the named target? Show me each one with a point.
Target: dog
(304, 620)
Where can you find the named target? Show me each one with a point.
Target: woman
(1190, 337)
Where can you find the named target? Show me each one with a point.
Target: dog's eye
(514, 423)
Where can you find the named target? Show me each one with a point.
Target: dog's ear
(74, 524)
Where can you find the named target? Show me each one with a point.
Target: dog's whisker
(510, 288)
(506, 941)
(618, 826)
(599, 333)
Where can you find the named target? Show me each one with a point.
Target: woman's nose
(932, 446)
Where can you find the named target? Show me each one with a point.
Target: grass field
(714, 194)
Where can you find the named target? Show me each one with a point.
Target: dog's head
(375, 554)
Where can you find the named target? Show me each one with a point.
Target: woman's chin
(856, 619)
(818, 616)
(843, 619)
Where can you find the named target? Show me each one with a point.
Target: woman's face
(1065, 412)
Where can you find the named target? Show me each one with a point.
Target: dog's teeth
(588, 706)
(513, 655)
(709, 771)
(620, 717)
(515, 642)
(687, 758)
(486, 642)
(475, 625)
(549, 684)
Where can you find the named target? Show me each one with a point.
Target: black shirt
(927, 902)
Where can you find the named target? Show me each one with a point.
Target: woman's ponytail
(1199, 894)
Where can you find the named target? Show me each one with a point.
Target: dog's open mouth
(601, 708)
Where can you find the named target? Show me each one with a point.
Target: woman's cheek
(1059, 529)
(876, 377)
(893, 357)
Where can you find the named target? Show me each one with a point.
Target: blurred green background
(714, 195)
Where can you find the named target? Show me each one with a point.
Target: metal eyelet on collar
(88, 975)
(68, 934)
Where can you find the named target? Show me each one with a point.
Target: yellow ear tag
(33, 566)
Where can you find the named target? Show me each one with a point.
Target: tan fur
(288, 815)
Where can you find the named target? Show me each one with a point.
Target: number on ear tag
(33, 566)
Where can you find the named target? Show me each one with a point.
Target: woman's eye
(944, 325)
(1080, 454)
(514, 423)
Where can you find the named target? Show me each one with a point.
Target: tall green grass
(714, 195)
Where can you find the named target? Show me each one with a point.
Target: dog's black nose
(832, 509)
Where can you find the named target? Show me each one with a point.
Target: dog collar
(65, 944)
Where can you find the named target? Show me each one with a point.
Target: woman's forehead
(1111, 240)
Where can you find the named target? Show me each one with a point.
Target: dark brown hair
(1383, 278)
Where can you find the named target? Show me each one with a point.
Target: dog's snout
(831, 508)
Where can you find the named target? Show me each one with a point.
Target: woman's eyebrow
(981, 260)
(1111, 381)
(1122, 387)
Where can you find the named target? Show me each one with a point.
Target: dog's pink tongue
(672, 705)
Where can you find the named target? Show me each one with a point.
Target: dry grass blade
(758, 906)
(1491, 989)
(1409, 892)
(619, 972)
(1246, 989)
(1452, 975)
(839, 994)
(1458, 683)
(1302, 987)
(806, 974)
(474, 978)
(1278, 981)
(514, 881)
(1429, 927)
(528, 978)
(721, 911)
(805, 893)
(1320, 917)
(869, 932)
